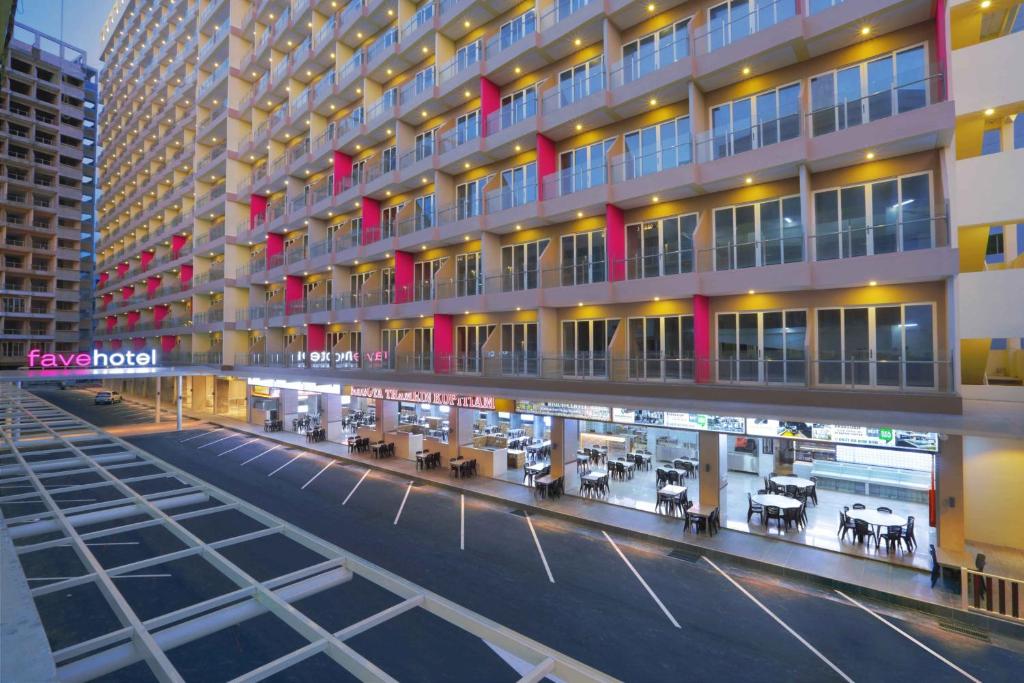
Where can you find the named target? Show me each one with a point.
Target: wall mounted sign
(442, 398)
(97, 359)
(880, 437)
(570, 410)
(696, 421)
(298, 386)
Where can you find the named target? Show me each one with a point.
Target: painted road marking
(402, 506)
(259, 455)
(286, 464)
(199, 436)
(355, 487)
(910, 638)
(316, 475)
(642, 582)
(224, 438)
(462, 521)
(244, 443)
(539, 549)
(780, 622)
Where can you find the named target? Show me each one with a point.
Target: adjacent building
(47, 195)
(605, 211)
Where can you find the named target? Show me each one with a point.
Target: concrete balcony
(988, 189)
(988, 74)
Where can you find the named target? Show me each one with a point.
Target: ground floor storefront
(875, 491)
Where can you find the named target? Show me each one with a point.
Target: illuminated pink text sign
(436, 397)
(96, 359)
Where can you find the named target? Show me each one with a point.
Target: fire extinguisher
(931, 499)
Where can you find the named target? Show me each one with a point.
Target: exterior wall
(993, 473)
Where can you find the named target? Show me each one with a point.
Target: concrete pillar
(565, 439)
(289, 405)
(178, 400)
(387, 417)
(156, 417)
(712, 449)
(332, 417)
(949, 494)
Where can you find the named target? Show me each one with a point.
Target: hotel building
(47, 193)
(607, 211)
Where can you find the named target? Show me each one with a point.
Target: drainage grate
(518, 513)
(685, 556)
(965, 630)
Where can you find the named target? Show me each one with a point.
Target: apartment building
(47, 194)
(698, 205)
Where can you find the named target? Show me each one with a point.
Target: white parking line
(260, 455)
(317, 475)
(910, 638)
(199, 436)
(286, 464)
(400, 507)
(781, 622)
(462, 521)
(355, 487)
(539, 549)
(245, 443)
(642, 582)
(225, 438)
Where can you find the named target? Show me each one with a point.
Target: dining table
(786, 480)
(775, 500)
(877, 519)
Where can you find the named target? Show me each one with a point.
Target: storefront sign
(96, 359)
(442, 398)
(571, 410)
(880, 437)
(262, 391)
(341, 357)
(695, 421)
(298, 386)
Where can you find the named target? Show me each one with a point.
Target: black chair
(773, 512)
(846, 524)
(883, 509)
(689, 469)
(761, 492)
(754, 508)
(791, 516)
(792, 491)
(714, 522)
(862, 532)
(936, 569)
(813, 490)
(893, 538)
(859, 506)
(908, 535)
(979, 581)
(660, 477)
(673, 477)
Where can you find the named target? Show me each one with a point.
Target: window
(423, 348)
(583, 258)
(424, 215)
(424, 80)
(662, 247)
(517, 29)
(518, 106)
(655, 51)
(423, 280)
(580, 81)
(657, 148)
(467, 55)
(468, 278)
(991, 141)
(357, 281)
(358, 169)
(467, 127)
(424, 145)
(894, 83)
(387, 286)
(519, 265)
(742, 125)
(877, 346)
(815, 6)
(469, 198)
(389, 220)
(877, 218)
(389, 341)
(737, 19)
(584, 167)
(762, 347)
(585, 346)
(519, 348)
(518, 187)
(661, 347)
(389, 98)
(469, 345)
(764, 234)
(389, 159)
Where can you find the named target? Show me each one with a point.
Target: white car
(108, 398)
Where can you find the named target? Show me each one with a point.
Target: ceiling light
(746, 71)
(990, 111)
(865, 30)
(869, 156)
(748, 180)
(873, 283)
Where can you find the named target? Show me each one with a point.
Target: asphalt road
(625, 607)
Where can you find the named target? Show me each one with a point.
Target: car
(108, 398)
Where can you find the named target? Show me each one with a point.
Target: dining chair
(813, 492)
(754, 508)
(908, 534)
(884, 509)
(845, 524)
(859, 506)
(862, 532)
(673, 477)
(893, 537)
(773, 512)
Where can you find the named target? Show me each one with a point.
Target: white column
(178, 401)
(157, 416)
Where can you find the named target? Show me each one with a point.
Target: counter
(406, 444)
(490, 462)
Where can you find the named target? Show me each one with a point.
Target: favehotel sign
(97, 359)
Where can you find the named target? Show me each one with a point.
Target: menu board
(881, 437)
(696, 421)
(571, 410)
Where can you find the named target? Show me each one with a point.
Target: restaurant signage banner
(298, 386)
(697, 421)
(442, 398)
(879, 437)
(571, 410)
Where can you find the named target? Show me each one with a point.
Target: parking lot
(636, 611)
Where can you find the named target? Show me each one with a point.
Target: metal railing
(735, 21)
(911, 94)
(722, 142)
(991, 594)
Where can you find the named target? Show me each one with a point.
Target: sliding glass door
(762, 347)
(585, 346)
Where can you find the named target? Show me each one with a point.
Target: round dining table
(798, 482)
(775, 500)
(877, 519)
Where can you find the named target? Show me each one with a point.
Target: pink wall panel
(615, 242)
(547, 162)
(104, 276)
(152, 284)
(490, 101)
(160, 312)
(115, 344)
(316, 338)
(145, 258)
(293, 288)
(111, 321)
(168, 342)
(127, 291)
(138, 343)
(371, 221)
(133, 317)
(186, 273)
(941, 45)
(257, 207)
(443, 343)
(122, 268)
(702, 338)
(177, 242)
(403, 277)
(342, 172)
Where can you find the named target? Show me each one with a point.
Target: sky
(83, 20)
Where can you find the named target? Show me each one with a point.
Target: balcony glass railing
(731, 22)
(562, 11)
(387, 40)
(840, 113)
(730, 141)
(510, 197)
(852, 238)
(571, 91)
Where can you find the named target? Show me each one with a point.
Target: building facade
(47, 198)
(726, 208)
